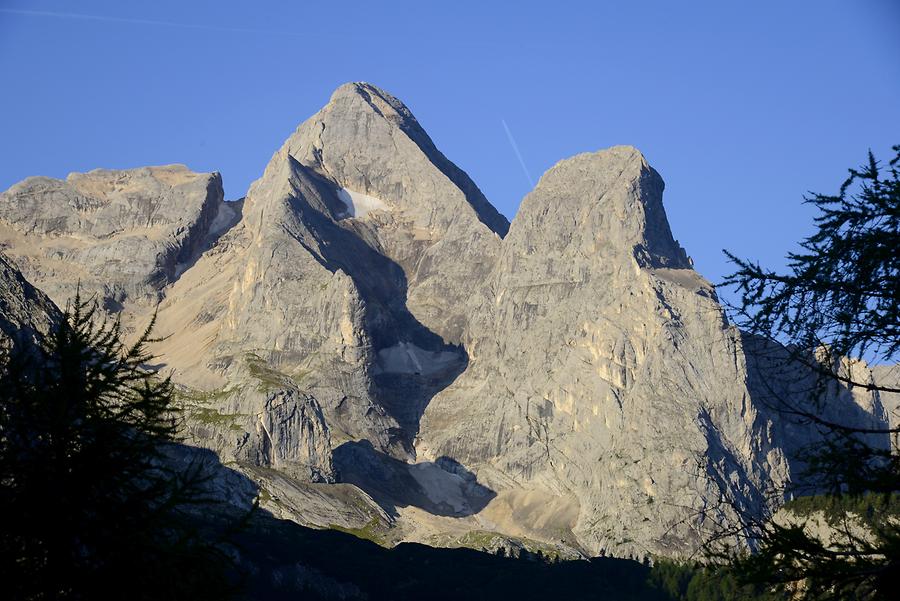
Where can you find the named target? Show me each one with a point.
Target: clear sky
(742, 107)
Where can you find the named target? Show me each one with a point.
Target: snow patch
(358, 204)
(407, 358)
(442, 488)
(224, 219)
(224, 216)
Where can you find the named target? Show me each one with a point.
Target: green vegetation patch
(201, 397)
(691, 582)
(211, 417)
(372, 531)
(267, 377)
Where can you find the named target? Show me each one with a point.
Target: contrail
(515, 147)
(107, 19)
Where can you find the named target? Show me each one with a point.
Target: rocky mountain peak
(382, 102)
(603, 203)
(369, 143)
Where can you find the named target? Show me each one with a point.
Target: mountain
(376, 347)
(124, 235)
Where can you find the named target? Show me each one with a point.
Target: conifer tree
(836, 306)
(92, 504)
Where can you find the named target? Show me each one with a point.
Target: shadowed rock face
(329, 295)
(26, 314)
(566, 378)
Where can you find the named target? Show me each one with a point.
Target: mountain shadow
(802, 401)
(413, 363)
(443, 487)
(279, 560)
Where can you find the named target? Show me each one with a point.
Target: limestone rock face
(293, 437)
(277, 427)
(122, 234)
(26, 314)
(888, 376)
(263, 305)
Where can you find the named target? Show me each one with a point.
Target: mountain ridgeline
(367, 339)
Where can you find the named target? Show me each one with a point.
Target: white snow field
(407, 358)
(359, 204)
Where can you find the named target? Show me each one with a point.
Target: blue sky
(742, 107)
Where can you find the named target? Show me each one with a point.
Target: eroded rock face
(27, 316)
(273, 426)
(568, 378)
(121, 234)
(888, 376)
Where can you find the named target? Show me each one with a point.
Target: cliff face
(123, 235)
(366, 335)
(26, 314)
(348, 273)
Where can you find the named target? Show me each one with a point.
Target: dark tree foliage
(687, 582)
(843, 288)
(92, 504)
(836, 307)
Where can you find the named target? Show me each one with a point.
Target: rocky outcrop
(27, 316)
(263, 425)
(888, 376)
(120, 234)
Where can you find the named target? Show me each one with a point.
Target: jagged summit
(379, 99)
(604, 202)
(372, 169)
(367, 141)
